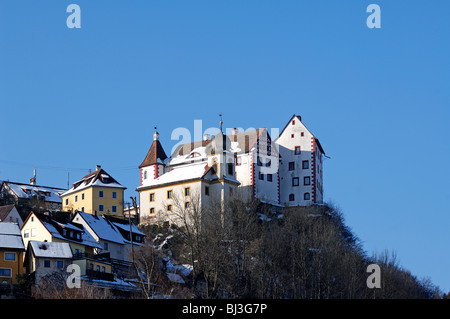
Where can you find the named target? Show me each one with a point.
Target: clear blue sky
(378, 99)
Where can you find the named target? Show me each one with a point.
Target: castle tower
(153, 165)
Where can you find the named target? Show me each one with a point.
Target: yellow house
(96, 193)
(12, 252)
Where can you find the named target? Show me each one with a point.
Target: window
(291, 166)
(5, 272)
(187, 191)
(47, 263)
(302, 134)
(261, 176)
(169, 194)
(26, 233)
(145, 174)
(291, 197)
(297, 150)
(82, 196)
(169, 208)
(152, 197)
(67, 201)
(114, 195)
(76, 198)
(292, 135)
(295, 181)
(114, 209)
(293, 122)
(101, 208)
(305, 164)
(238, 161)
(33, 232)
(64, 232)
(258, 161)
(103, 269)
(306, 180)
(98, 267)
(269, 177)
(82, 209)
(10, 256)
(187, 204)
(230, 169)
(306, 196)
(206, 190)
(152, 211)
(60, 264)
(100, 194)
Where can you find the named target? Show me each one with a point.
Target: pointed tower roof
(155, 153)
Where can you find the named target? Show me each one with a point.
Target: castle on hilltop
(287, 171)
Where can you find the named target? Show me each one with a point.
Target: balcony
(93, 274)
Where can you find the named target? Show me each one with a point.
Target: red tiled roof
(4, 211)
(156, 152)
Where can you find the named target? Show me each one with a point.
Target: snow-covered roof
(180, 173)
(126, 227)
(101, 227)
(51, 194)
(99, 178)
(51, 225)
(50, 249)
(10, 236)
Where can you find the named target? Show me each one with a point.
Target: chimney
(234, 131)
(206, 137)
(97, 167)
(33, 179)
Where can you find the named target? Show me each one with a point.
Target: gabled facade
(12, 252)
(45, 258)
(40, 227)
(105, 233)
(301, 165)
(9, 213)
(96, 193)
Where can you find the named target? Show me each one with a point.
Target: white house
(301, 165)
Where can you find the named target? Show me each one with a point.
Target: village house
(46, 258)
(12, 251)
(43, 228)
(113, 235)
(27, 197)
(97, 192)
(9, 213)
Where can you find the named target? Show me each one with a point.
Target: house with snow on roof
(12, 252)
(113, 235)
(46, 258)
(96, 193)
(31, 196)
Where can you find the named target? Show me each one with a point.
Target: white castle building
(286, 171)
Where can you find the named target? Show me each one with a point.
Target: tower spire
(221, 122)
